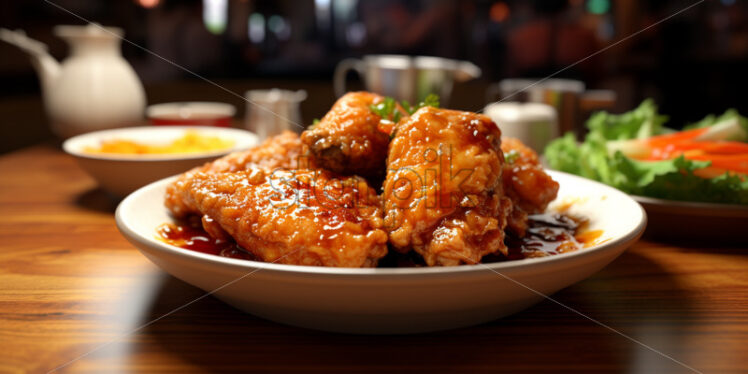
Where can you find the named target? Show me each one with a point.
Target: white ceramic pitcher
(94, 88)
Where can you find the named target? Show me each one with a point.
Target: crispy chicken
(525, 183)
(348, 139)
(301, 217)
(443, 194)
(453, 187)
(281, 151)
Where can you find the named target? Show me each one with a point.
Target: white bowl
(191, 113)
(390, 300)
(121, 174)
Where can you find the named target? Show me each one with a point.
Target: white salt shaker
(534, 124)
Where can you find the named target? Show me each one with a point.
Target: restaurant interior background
(691, 64)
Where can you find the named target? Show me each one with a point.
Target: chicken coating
(443, 194)
(282, 151)
(301, 217)
(525, 183)
(348, 139)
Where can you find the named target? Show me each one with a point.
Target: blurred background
(692, 64)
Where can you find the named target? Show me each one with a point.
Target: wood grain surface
(72, 291)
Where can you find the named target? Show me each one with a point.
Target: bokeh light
(499, 12)
(598, 6)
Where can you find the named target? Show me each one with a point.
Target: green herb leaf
(511, 156)
(431, 100)
(408, 108)
(387, 108)
(313, 125)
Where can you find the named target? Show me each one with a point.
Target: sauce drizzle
(190, 235)
(548, 234)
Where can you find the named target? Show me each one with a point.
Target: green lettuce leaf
(712, 120)
(674, 180)
(728, 126)
(669, 179)
(639, 123)
(564, 154)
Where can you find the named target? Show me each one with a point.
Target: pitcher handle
(340, 73)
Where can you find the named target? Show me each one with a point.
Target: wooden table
(70, 283)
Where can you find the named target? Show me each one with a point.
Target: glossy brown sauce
(550, 234)
(190, 235)
(547, 234)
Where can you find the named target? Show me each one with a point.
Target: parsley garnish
(431, 100)
(388, 107)
(511, 156)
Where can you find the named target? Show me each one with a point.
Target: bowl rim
(302, 270)
(693, 207)
(221, 109)
(243, 139)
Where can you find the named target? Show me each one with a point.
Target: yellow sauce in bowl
(190, 142)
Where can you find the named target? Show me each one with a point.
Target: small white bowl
(121, 174)
(192, 113)
(390, 300)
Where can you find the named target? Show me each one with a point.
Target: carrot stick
(675, 137)
(720, 147)
(737, 163)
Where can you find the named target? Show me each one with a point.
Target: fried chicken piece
(525, 183)
(301, 217)
(282, 151)
(443, 195)
(348, 139)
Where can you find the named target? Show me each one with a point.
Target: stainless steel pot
(405, 77)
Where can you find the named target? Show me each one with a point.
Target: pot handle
(340, 73)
